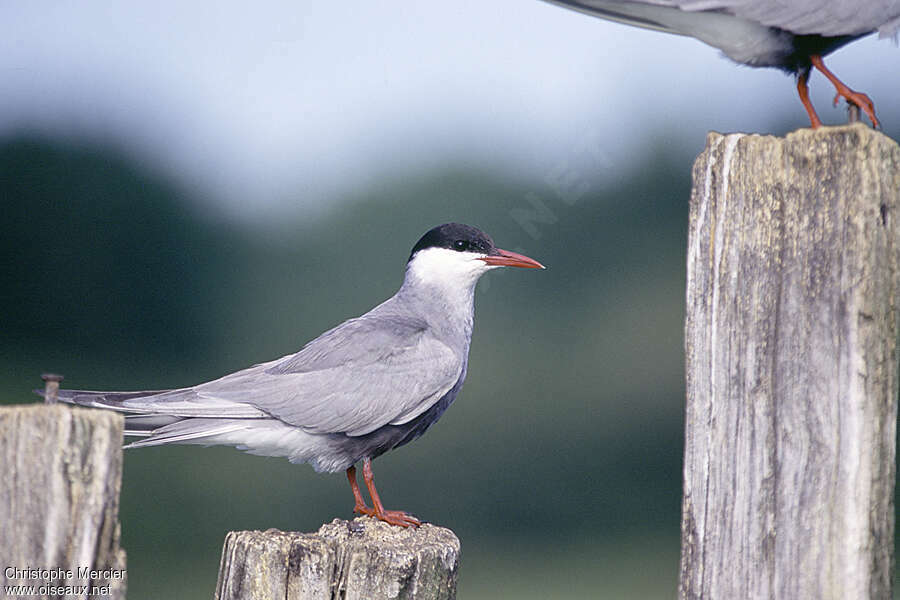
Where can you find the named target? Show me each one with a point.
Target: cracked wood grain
(791, 365)
(352, 560)
(59, 499)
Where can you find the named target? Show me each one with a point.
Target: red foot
(392, 517)
(860, 100)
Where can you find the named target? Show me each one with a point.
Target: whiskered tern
(371, 384)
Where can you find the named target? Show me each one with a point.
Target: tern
(792, 35)
(369, 385)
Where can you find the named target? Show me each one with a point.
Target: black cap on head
(456, 236)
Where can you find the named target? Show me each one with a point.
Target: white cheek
(444, 266)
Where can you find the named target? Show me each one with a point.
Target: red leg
(360, 507)
(394, 517)
(803, 91)
(857, 98)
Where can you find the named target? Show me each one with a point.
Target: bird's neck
(449, 309)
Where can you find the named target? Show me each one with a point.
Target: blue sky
(284, 105)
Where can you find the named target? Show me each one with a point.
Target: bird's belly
(389, 437)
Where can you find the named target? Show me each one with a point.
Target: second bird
(792, 35)
(371, 384)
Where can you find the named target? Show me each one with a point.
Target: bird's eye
(461, 245)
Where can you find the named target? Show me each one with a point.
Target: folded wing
(368, 372)
(830, 18)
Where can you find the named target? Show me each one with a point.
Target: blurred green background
(559, 466)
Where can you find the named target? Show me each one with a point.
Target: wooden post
(791, 344)
(59, 501)
(359, 559)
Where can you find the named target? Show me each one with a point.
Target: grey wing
(648, 14)
(365, 373)
(743, 40)
(821, 17)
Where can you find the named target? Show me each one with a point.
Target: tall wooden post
(791, 344)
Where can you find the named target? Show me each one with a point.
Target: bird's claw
(398, 517)
(391, 517)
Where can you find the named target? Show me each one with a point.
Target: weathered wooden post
(363, 559)
(59, 502)
(791, 343)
